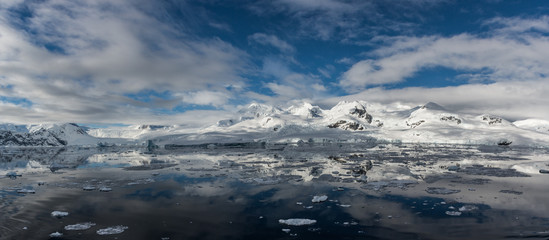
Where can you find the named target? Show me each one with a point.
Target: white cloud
(500, 57)
(100, 51)
(274, 41)
(513, 99)
(347, 20)
(206, 98)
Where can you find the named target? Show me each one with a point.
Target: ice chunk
(88, 188)
(317, 199)
(105, 189)
(56, 235)
(286, 230)
(453, 213)
(59, 214)
(112, 230)
(297, 221)
(345, 205)
(79, 226)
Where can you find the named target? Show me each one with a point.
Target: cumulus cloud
(498, 57)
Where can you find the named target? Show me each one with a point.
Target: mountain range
(346, 122)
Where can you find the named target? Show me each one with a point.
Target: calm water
(373, 192)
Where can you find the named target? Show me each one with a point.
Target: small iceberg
(88, 188)
(59, 214)
(317, 199)
(297, 221)
(112, 230)
(79, 226)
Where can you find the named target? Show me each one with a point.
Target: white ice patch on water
(105, 189)
(317, 199)
(26, 191)
(286, 230)
(468, 208)
(56, 235)
(297, 221)
(112, 230)
(453, 213)
(59, 214)
(79, 226)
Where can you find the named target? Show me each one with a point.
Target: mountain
(346, 122)
(49, 135)
(359, 121)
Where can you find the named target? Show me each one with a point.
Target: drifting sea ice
(59, 214)
(105, 189)
(79, 226)
(88, 188)
(112, 230)
(317, 199)
(453, 213)
(468, 208)
(56, 235)
(297, 221)
(26, 191)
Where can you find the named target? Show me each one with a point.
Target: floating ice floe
(286, 230)
(317, 199)
(59, 214)
(56, 235)
(112, 230)
(345, 205)
(88, 188)
(441, 190)
(297, 221)
(105, 189)
(79, 226)
(26, 191)
(468, 208)
(453, 213)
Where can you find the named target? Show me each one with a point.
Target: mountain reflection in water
(392, 191)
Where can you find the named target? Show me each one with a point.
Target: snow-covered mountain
(353, 121)
(359, 121)
(49, 135)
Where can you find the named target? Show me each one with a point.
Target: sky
(195, 62)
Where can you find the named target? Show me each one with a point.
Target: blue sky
(193, 62)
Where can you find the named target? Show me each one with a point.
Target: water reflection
(378, 192)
